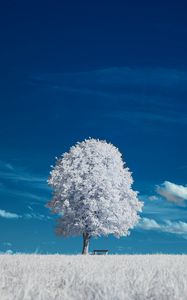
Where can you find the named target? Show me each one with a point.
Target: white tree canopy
(92, 191)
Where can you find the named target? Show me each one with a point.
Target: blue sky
(110, 70)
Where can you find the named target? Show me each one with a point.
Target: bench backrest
(99, 252)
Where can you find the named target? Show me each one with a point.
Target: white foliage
(57, 277)
(92, 191)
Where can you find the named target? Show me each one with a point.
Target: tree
(92, 192)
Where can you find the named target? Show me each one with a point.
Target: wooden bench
(100, 252)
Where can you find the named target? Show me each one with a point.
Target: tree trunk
(86, 238)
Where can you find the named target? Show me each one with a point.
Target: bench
(100, 252)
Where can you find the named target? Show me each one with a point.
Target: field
(112, 277)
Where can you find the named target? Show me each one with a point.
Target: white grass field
(112, 277)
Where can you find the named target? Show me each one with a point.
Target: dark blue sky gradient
(103, 69)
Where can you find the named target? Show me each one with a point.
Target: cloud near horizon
(8, 215)
(175, 227)
(172, 192)
(148, 224)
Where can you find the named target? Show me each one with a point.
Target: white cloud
(8, 215)
(177, 227)
(30, 208)
(148, 224)
(172, 192)
(7, 244)
(153, 198)
(36, 216)
(9, 251)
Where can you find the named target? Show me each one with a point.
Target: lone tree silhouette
(92, 192)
